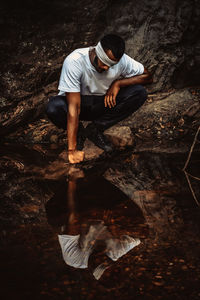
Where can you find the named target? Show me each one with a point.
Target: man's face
(100, 66)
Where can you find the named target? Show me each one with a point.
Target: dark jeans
(128, 100)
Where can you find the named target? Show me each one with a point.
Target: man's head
(108, 52)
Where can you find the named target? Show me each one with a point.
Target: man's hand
(110, 97)
(75, 156)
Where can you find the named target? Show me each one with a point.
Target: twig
(197, 178)
(186, 164)
(191, 150)
(193, 193)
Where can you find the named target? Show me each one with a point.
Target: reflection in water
(96, 231)
(77, 249)
(164, 266)
(160, 212)
(151, 183)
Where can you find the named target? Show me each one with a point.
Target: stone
(37, 139)
(53, 138)
(172, 107)
(63, 155)
(120, 136)
(91, 151)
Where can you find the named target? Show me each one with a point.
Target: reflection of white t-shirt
(79, 75)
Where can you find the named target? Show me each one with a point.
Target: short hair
(114, 43)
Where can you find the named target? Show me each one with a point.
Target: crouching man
(101, 84)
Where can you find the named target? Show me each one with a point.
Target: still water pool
(129, 227)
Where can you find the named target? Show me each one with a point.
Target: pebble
(158, 283)
(54, 138)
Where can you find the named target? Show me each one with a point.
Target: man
(101, 84)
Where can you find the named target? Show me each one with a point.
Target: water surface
(38, 202)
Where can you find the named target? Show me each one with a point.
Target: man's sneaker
(98, 138)
(81, 137)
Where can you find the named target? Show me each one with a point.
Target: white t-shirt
(79, 75)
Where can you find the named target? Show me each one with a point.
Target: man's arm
(145, 78)
(74, 102)
(110, 98)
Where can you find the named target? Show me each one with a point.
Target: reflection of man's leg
(128, 100)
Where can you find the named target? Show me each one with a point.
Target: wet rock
(161, 111)
(139, 180)
(63, 155)
(91, 151)
(37, 139)
(120, 136)
(54, 138)
(3, 103)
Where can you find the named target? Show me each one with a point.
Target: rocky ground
(167, 122)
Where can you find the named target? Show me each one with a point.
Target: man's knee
(139, 91)
(50, 110)
(133, 92)
(137, 95)
(142, 92)
(56, 104)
